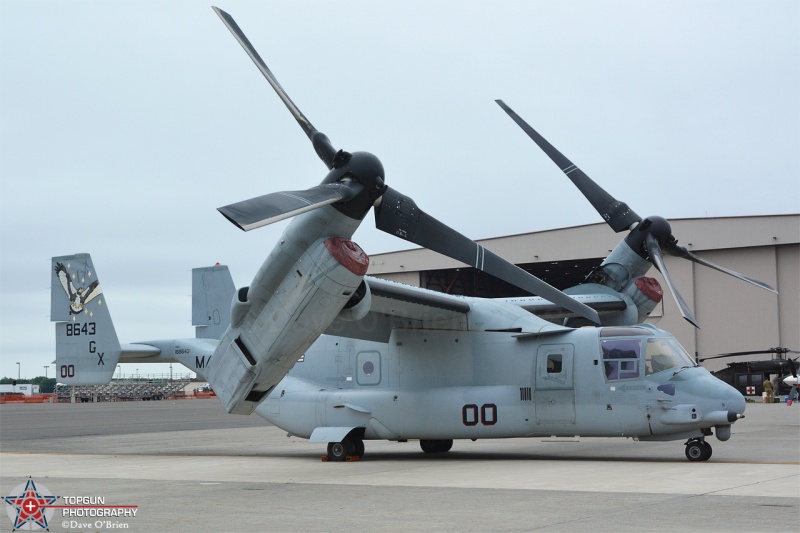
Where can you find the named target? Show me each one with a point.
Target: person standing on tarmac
(770, 392)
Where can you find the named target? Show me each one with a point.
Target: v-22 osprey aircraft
(324, 352)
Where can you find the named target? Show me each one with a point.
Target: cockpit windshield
(664, 354)
(635, 357)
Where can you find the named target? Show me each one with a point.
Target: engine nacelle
(272, 328)
(646, 293)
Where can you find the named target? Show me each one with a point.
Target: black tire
(709, 451)
(436, 446)
(358, 448)
(340, 451)
(697, 451)
(428, 446)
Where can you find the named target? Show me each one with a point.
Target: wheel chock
(348, 459)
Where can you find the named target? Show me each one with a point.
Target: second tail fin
(212, 293)
(87, 348)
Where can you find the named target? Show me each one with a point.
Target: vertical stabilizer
(212, 293)
(87, 349)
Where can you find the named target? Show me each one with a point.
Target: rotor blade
(276, 206)
(322, 145)
(722, 356)
(733, 354)
(658, 260)
(399, 215)
(617, 214)
(750, 352)
(680, 251)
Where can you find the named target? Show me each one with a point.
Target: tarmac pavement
(189, 466)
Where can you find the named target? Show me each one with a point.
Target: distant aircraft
(328, 354)
(748, 376)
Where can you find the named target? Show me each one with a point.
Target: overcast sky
(124, 125)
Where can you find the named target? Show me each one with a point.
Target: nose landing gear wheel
(698, 450)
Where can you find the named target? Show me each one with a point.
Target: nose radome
(737, 402)
(732, 399)
(721, 395)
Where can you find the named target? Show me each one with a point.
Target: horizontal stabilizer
(130, 353)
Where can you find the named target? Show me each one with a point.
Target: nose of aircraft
(723, 405)
(730, 399)
(735, 401)
(718, 398)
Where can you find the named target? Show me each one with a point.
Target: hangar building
(734, 316)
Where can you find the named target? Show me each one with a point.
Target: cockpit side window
(664, 354)
(621, 358)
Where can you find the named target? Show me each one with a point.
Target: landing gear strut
(698, 450)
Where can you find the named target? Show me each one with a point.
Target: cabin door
(554, 394)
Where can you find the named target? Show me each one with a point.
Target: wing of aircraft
(388, 304)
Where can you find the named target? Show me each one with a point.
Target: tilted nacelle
(622, 273)
(291, 301)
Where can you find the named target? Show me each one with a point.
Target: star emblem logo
(29, 508)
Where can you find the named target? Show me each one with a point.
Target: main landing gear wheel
(436, 446)
(349, 447)
(698, 450)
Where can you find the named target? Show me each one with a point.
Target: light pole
(15, 387)
(45, 370)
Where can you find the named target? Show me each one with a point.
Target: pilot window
(621, 358)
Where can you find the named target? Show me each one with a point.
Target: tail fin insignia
(80, 296)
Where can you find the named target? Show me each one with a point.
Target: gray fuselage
(429, 384)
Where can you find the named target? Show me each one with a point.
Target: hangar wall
(734, 315)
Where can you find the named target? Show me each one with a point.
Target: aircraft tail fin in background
(212, 294)
(87, 348)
